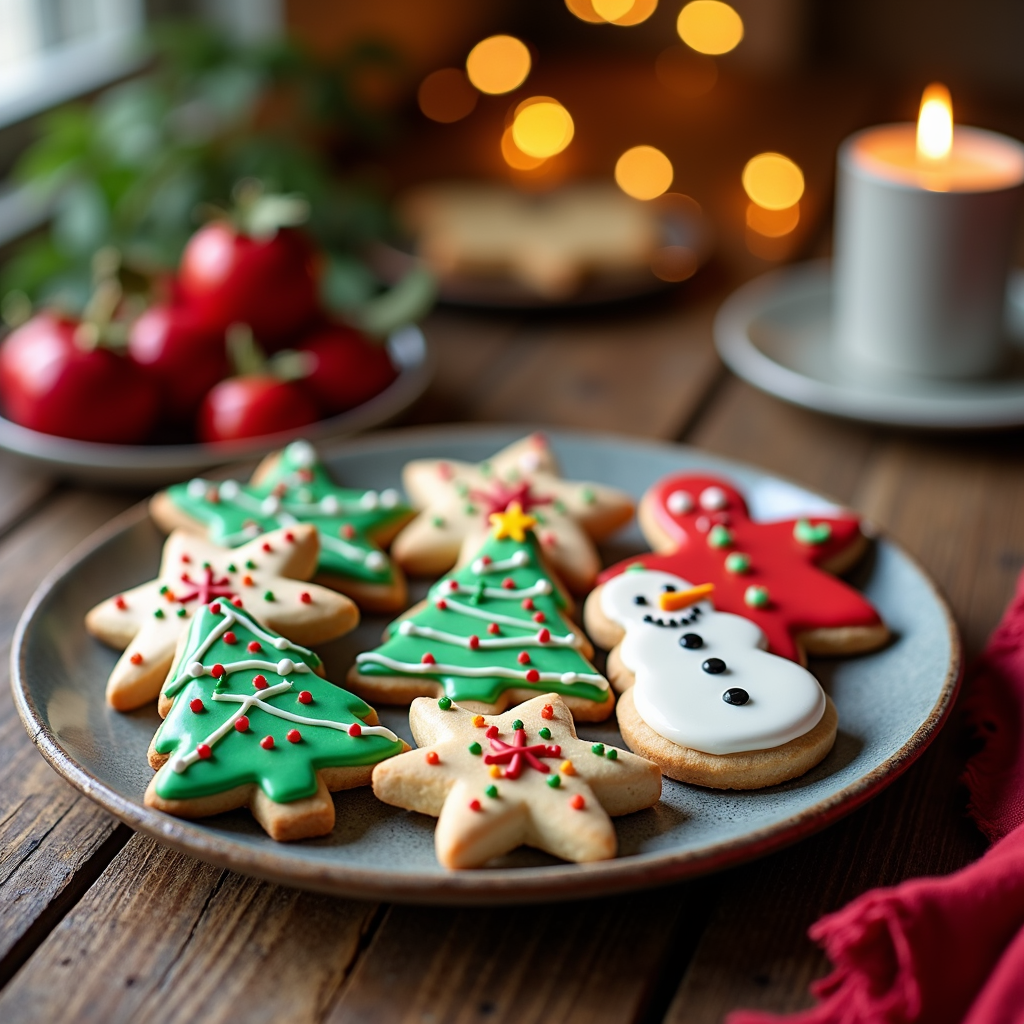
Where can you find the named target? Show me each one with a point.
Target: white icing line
(496, 671)
(410, 628)
(260, 702)
(505, 620)
(517, 561)
(500, 593)
(196, 669)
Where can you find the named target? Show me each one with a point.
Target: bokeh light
(773, 181)
(685, 73)
(640, 11)
(446, 95)
(772, 223)
(584, 10)
(643, 172)
(674, 263)
(498, 64)
(515, 157)
(614, 12)
(542, 127)
(935, 123)
(709, 26)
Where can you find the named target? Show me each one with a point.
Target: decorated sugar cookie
(704, 699)
(496, 783)
(490, 635)
(776, 574)
(264, 576)
(250, 723)
(456, 499)
(292, 486)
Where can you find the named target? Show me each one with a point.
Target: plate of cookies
(461, 665)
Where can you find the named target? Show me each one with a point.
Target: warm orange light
(640, 11)
(598, 12)
(542, 127)
(643, 172)
(498, 64)
(772, 223)
(709, 26)
(685, 73)
(515, 157)
(612, 10)
(584, 10)
(773, 181)
(935, 123)
(446, 96)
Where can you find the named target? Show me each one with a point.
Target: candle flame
(935, 123)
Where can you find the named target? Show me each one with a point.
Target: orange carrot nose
(676, 599)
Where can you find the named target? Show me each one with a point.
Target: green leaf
(81, 219)
(406, 302)
(346, 284)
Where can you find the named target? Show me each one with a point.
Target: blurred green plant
(135, 168)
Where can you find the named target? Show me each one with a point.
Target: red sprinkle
(267, 547)
(508, 583)
(305, 697)
(474, 805)
(544, 636)
(260, 682)
(237, 602)
(204, 751)
(215, 607)
(547, 711)
(217, 671)
(492, 731)
(242, 723)
(355, 729)
(432, 757)
(247, 581)
(539, 617)
(186, 559)
(533, 676)
(136, 658)
(474, 642)
(428, 659)
(196, 705)
(293, 736)
(453, 586)
(494, 628)
(527, 604)
(576, 802)
(267, 743)
(441, 605)
(120, 602)
(485, 559)
(306, 597)
(444, 471)
(255, 646)
(290, 537)
(523, 658)
(549, 540)
(348, 531)
(230, 638)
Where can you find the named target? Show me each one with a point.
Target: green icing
(807, 533)
(499, 668)
(287, 771)
(301, 486)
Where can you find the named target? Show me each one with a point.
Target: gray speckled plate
(890, 704)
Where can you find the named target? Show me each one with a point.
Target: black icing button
(714, 666)
(669, 588)
(691, 641)
(735, 695)
(639, 599)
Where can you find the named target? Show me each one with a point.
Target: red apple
(347, 368)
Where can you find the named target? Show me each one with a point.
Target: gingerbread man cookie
(490, 635)
(777, 574)
(703, 699)
(293, 486)
(250, 723)
(456, 499)
(521, 777)
(264, 577)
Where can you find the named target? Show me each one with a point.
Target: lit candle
(926, 221)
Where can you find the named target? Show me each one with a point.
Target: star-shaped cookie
(264, 577)
(293, 486)
(457, 498)
(523, 777)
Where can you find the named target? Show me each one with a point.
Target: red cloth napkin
(951, 949)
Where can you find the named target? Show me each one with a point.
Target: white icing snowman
(703, 678)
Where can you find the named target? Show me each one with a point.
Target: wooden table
(98, 924)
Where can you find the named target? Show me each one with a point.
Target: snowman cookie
(702, 697)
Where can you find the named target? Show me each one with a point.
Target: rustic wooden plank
(162, 937)
(586, 962)
(52, 840)
(21, 488)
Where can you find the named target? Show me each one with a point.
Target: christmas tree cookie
(490, 635)
(456, 499)
(495, 783)
(264, 576)
(292, 486)
(250, 723)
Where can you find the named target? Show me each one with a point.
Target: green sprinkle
(544, 732)
(182, 612)
(268, 596)
(737, 562)
(588, 496)
(636, 567)
(598, 748)
(492, 792)
(250, 564)
(719, 537)
(559, 506)
(470, 510)
(461, 488)
(554, 781)
(518, 724)
(444, 703)
(232, 567)
(612, 755)
(539, 516)
(806, 533)
(206, 565)
(164, 589)
(756, 597)
(478, 595)
(159, 613)
(475, 749)
(437, 521)
(485, 469)
(512, 476)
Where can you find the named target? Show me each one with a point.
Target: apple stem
(246, 356)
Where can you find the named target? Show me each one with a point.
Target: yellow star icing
(513, 523)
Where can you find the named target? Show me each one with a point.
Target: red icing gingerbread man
(772, 573)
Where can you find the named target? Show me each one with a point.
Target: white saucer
(776, 333)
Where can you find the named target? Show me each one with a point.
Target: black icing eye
(691, 641)
(714, 666)
(668, 588)
(735, 695)
(639, 599)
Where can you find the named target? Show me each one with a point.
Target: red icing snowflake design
(500, 496)
(205, 589)
(516, 753)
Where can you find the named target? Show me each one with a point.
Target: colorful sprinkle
(204, 751)
(305, 697)
(254, 647)
(532, 676)
(242, 723)
(250, 564)
(807, 533)
(475, 749)
(136, 658)
(495, 772)
(737, 562)
(494, 629)
(268, 595)
(756, 597)
(267, 743)
(305, 597)
(554, 781)
(547, 711)
(217, 671)
(567, 768)
(478, 721)
(518, 724)
(492, 792)
(576, 802)
(120, 602)
(444, 703)
(474, 805)
(182, 612)
(432, 757)
(598, 748)
(230, 638)
(544, 732)
(523, 658)
(293, 736)
(196, 704)
(428, 659)
(612, 755)
(158, 614)
(719, 537)
(355, 729)
(260, 682)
